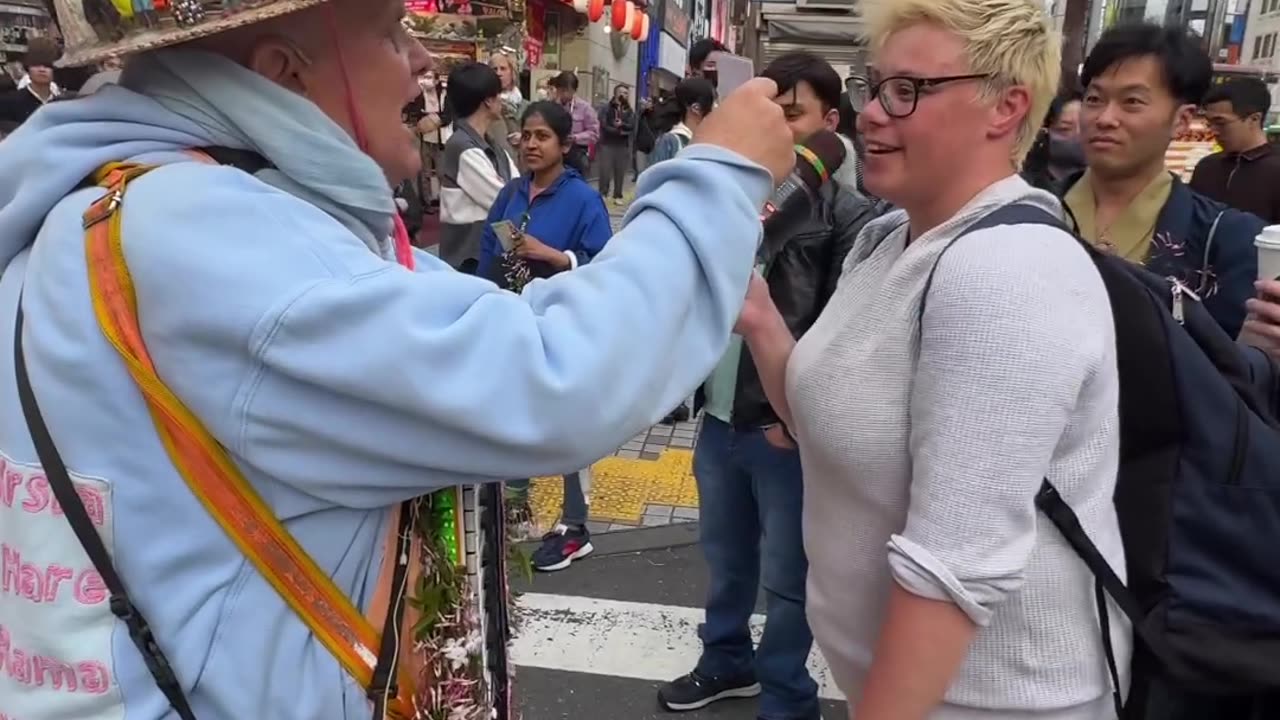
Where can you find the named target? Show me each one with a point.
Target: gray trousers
(612, 162)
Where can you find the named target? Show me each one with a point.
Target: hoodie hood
(172, 101)
(52, 153)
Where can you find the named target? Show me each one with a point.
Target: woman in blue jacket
(553, 221)
(559, 220)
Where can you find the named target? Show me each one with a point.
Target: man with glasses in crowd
(1246, 174)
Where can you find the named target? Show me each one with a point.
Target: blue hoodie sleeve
(1235, 260)
(490, 248)
(594, 229)
(361, 384)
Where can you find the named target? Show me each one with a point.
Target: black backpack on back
(1198, 492)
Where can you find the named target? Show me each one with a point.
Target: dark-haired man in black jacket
(747, 470)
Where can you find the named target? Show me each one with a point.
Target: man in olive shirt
(1142, 84)
(1246, 174)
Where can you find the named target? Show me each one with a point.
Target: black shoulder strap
(64, 490)
(246, 160)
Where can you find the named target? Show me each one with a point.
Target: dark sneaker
(680, 414)
(560, 547)
(694, 692)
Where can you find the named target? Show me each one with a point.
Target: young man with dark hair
(37, 87)
(746, 467)
(1246, 174)
(694, 97)
(1143, 83)
(701, 64)
(586, 125)
(472, 170)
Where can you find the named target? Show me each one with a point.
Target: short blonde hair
(506, 57)
(1010, 40)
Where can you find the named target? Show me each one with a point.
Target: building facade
(21, 20)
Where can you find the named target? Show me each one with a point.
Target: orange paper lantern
(618, 14)
(629, 18)
(644, 27)
(595, 10)
(637, 23)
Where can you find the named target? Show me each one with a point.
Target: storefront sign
(478, 8)
(675, 20)
(671, 55)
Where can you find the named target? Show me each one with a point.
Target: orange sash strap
(214, 478)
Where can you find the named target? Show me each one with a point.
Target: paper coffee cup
(1268, 244)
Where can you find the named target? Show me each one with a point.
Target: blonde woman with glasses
(966, 355)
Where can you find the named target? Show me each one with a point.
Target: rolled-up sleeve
(1005, 350)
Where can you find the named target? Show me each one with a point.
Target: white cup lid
(1269, 237)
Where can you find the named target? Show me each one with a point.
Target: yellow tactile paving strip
(622, 487)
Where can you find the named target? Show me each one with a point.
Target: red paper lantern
(644, 27)
(618, 14)
(595, 10)
(637, 23)
(628, 18)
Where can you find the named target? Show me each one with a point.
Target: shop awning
(821, 29)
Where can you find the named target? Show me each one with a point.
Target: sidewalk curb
(621, 542)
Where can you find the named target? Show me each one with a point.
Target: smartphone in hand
(507, 234)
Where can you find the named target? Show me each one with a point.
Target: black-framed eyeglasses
(898, 95)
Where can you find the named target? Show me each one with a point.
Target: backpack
(645, 137)
(1198, 490)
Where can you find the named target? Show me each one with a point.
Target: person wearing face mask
(472, 170)
(617, 122)
(1057, 153)
(220, 343)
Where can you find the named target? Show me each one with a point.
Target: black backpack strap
(1049, 501)
(64, 490)
(246, 160)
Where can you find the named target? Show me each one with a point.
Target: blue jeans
(573, 511)
(750, 496)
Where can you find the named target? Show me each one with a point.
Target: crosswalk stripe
(643, 641)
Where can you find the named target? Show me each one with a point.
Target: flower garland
(449, 635)
(518, 273)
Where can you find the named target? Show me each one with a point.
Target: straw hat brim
(136, 42)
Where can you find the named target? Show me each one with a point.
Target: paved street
(596, 640)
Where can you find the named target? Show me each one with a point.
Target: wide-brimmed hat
(95, 30)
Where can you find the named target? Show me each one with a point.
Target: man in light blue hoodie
(340, 382)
